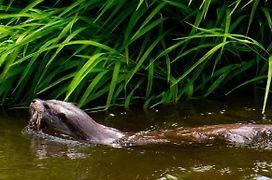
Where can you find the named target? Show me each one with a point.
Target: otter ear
(62, 117)
(73, 103)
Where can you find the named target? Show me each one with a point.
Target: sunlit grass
(114, 53)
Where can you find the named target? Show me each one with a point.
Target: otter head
(51, 117)
(65, 120)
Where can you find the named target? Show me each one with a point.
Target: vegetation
(113, 53)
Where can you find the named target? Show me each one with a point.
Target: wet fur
(66, 120)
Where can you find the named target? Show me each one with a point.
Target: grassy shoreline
(106, 53)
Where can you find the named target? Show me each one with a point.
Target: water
(24, 156)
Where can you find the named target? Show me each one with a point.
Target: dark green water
(26, 157)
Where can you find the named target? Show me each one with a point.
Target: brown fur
(66, 120)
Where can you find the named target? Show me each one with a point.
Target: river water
(23, 156)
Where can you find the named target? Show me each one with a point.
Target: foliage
(108, 53)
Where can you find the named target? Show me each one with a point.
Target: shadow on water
(31, 157)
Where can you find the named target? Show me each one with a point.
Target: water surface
(24, 156)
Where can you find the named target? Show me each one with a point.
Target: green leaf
(82, 73)
(114, 82)
(201, 60)
(269, 75)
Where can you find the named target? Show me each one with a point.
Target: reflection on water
(33, 157)
(43, 148)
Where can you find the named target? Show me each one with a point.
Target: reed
(115, 53)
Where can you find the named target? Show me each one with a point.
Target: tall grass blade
(150, 77)
(130, 95)
(255, 79)
(269, 75)
(252, 13)
(114, 82)
(201, 60)
(143, 58)
(82, 73)
(97, 81)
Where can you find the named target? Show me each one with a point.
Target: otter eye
(46, 106)
(62, 117)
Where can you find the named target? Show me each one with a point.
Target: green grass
(108, 53)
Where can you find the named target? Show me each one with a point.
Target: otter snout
(34, 100)
(37, 105)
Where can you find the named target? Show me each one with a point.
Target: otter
(66, 120)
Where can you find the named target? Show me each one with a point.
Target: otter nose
(35, 100)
